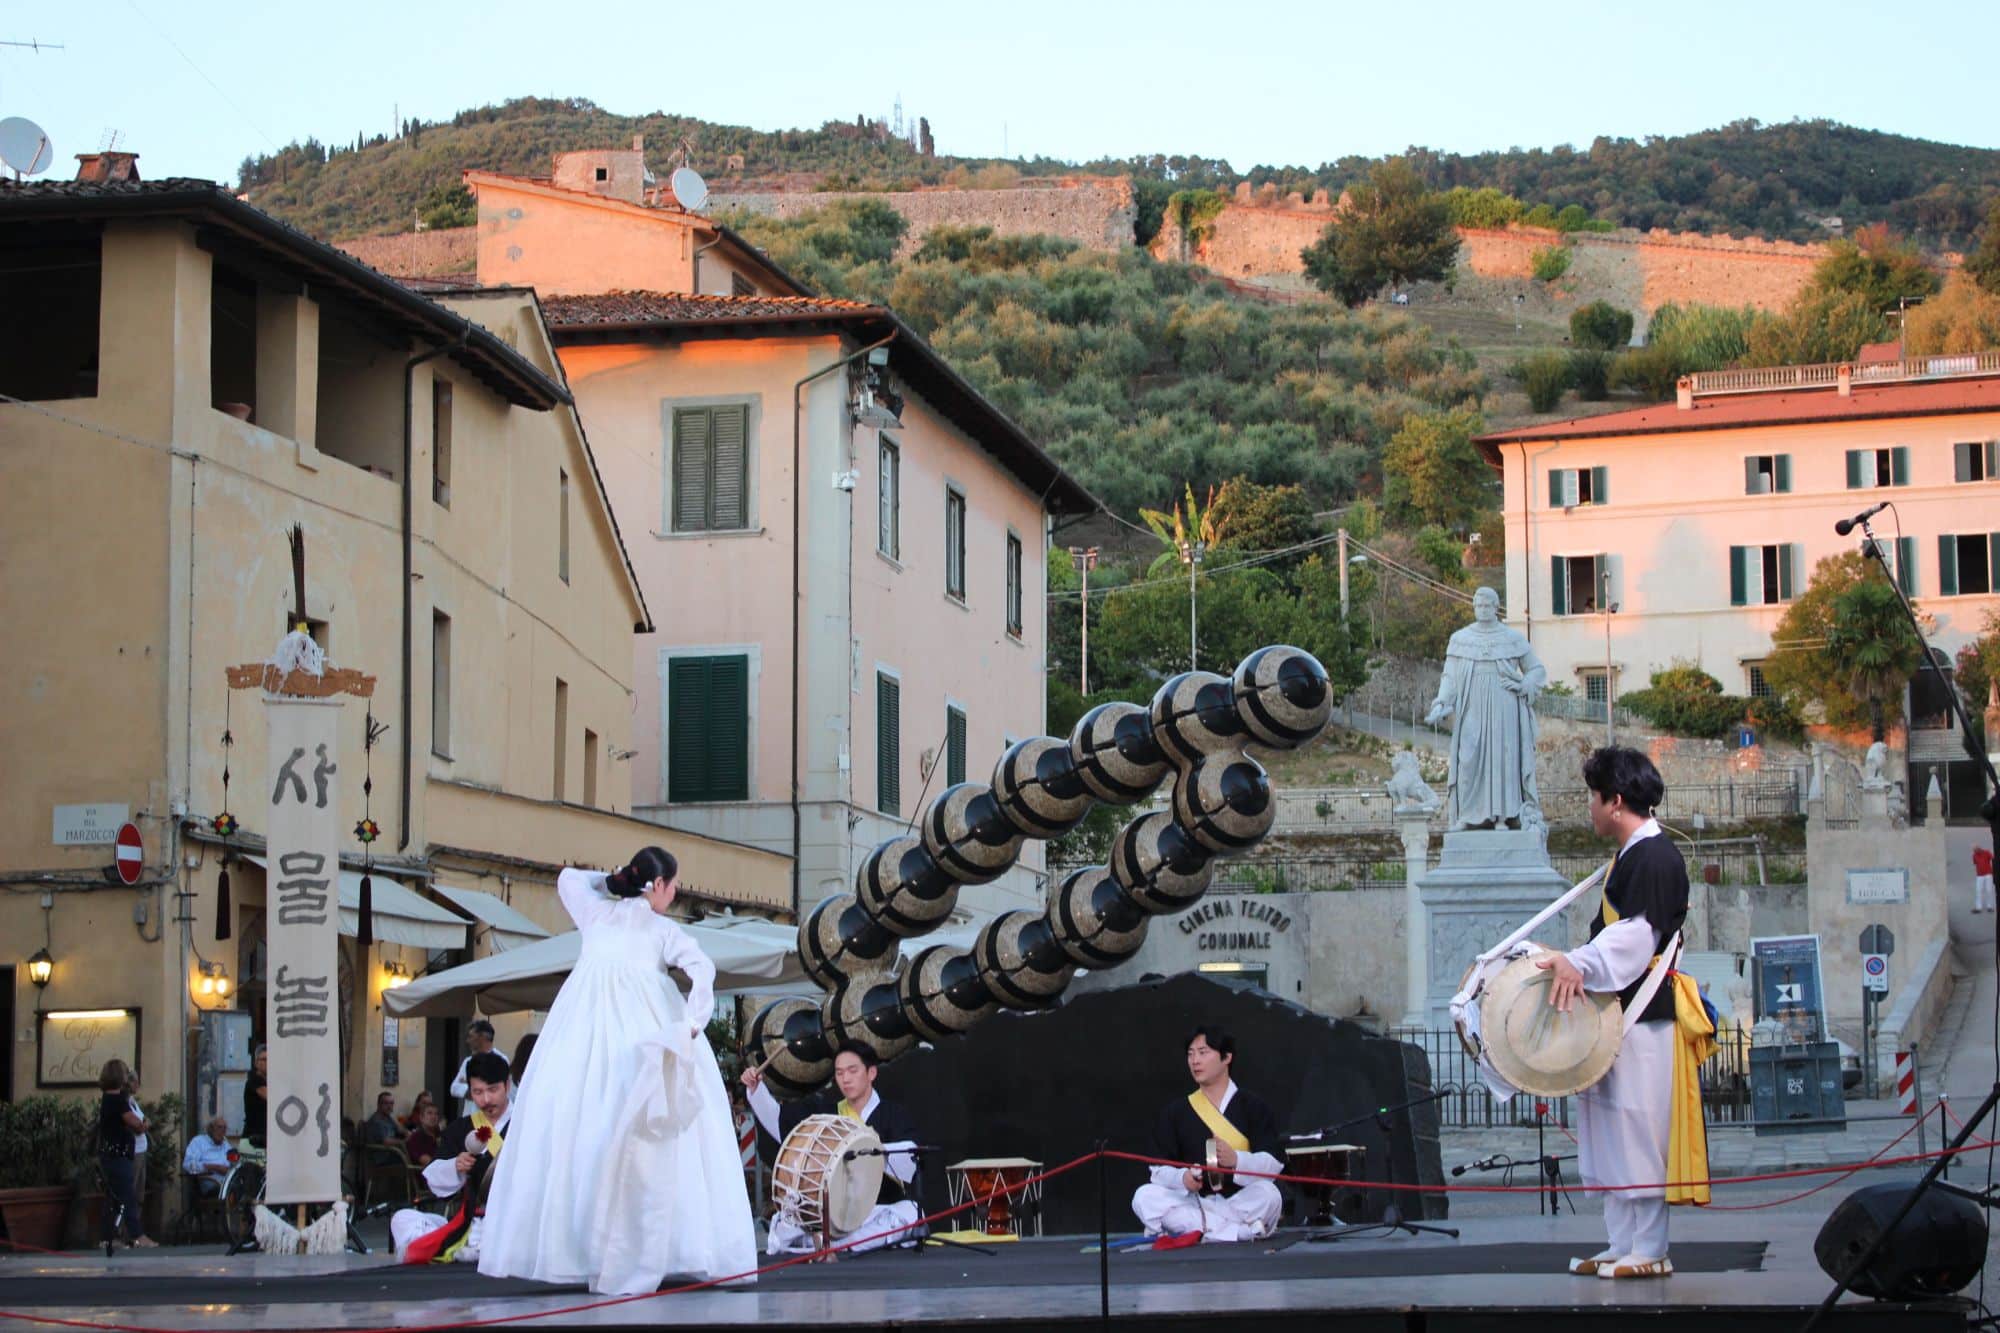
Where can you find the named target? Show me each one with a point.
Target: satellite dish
(689, 188)
(25, 147)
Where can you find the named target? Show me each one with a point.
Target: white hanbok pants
(787, 1237)
(1623, 1123)
(407, 1224)
(1250, 1213)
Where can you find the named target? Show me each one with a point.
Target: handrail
(1764, 379)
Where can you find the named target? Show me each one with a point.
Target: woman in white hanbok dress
(622, 1166)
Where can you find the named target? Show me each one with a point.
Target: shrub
(1550, 262)
(1571, 218)
(1602, 326)
(1541, 215)
(1590, 372)
(45, 1140)
(1484, 207)
(1688, 701)
(1774, 718)
(1651, 370)
(1544, 375)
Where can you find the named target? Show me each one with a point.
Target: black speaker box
(1936, 1250)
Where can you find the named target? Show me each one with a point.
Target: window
(711, 472)
(562, 739)
(1975, 461)
(316, 630)
(54, 355)
(1596, 684)
(562, 525)
(1577, 582)
(889, 501)
(589, 767)
(708, 728)
(954, 745)
(232, 340)
(604, 173)
(1013, 585)
(1967, 563)
(1767, 474)
(888, 744)
(1759, 687)
(954, 544)
(1867, 468)
(1902, 562)
(1762, 575)
(441, 684)
(741, 286)
(441, 442)
(1573, 486)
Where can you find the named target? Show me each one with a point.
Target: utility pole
(1191, 552)
(1604, 600)
(1343, 576)
(1085, 560)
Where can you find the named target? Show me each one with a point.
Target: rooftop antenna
(24, 147)
(108, 141)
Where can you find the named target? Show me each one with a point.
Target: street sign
(88, 825)
(131, 853)
(1875, 972)
(1878, 886)
(1877, 939)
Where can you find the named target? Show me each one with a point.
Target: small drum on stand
(1016, 1201)
(816, 1186)
(1328, 1166)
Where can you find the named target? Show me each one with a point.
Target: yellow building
(197, 379)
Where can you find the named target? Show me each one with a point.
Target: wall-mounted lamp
(214, 981)
(40, 968)
(395, 976)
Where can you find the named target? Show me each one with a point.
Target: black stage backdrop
(1048, 1086)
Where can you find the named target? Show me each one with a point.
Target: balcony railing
(1763, 379)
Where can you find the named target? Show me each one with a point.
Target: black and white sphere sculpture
(1194, 731)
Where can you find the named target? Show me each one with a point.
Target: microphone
(1847, 525)
(891, 1150)
(1483, 1164)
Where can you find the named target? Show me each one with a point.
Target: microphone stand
(1990, 812)
(1392, 1213)
(907, 1242)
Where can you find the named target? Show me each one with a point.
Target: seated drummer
(896, 1204)
(1181, 1201)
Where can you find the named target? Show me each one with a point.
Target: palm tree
(1871, 647)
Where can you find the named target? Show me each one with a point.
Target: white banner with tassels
(302, 915)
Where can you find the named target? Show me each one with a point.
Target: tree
(1870, 645)
(449, 205)
(1431, 471)
(1601, 326)
(1391, 229)
(1802, 668)
(1882, 267)
(1964, 317)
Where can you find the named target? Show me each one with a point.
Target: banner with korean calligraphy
(302, 915)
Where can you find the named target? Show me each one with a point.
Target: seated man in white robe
(462, 1168)
(1221, 1205)
(897, 1202)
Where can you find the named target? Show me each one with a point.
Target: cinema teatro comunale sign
(1233, 924)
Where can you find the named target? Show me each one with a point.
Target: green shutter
(708, 729)
(1961, 461)
(888, 746)
(1558, 591)
(1993, 562)
(687, 729)
(1854, 478)
(1784, 473)
(1750, 476)
(1739, 576)
(1600, 485)
(1555, 488)
(1992, 458)
(693, 428)
(1906, 565)
(1788, 562)
(954, 747)
(729, 471)
(1947, 566)
(1899, 466)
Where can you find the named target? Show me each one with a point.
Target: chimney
(1843, 379)
(107, 167)
(638, 143)
(1684, 392)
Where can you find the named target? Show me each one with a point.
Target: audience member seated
(416, 1115)
(422, 1144)
(207, 1158)
(383, 1127)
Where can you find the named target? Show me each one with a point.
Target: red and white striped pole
(1906, 1083)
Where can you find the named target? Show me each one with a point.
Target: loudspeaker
(1937, 1249)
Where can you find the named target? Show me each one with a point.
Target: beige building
(197, 379)
(843, 542)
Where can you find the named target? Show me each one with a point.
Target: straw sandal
(1592, 1266)
(1635, 1267)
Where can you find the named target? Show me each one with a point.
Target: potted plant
(43, 1141)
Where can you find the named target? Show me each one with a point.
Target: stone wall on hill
(1096, 212)
(418, 254)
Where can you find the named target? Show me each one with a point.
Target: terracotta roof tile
(614, 308)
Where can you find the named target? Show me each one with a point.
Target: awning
(509, 929)
(400, 916)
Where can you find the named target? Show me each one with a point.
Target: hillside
(1746, 178)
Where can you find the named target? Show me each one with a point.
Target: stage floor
(1733, 1273)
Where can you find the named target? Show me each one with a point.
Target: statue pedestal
(1875, 802)
(1415, 828)
(1488, 882)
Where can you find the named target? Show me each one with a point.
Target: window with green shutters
(888, 745)
(1869, 468)
(711, 468)
(1576, 582)
(1767, 474)
(889, 500)
(1967, 563)
(1975, 461)
(954, 544)
(1573, 486)
(708, 729)
(954, 746)
(1763, 575)
(1013, 585)
(1901, 559)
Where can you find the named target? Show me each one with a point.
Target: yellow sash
(846, 1108)
(1218, 1124)
(480, 1121)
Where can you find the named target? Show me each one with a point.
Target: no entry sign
(131, 853)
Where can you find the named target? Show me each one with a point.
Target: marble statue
(1872, 765)
(1407, 785)
(1491, 680)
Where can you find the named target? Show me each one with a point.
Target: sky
(194, 86)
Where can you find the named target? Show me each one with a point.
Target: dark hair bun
(647, 865)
